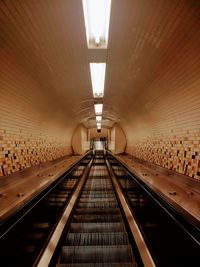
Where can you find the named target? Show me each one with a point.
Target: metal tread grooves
(96, 254)
(110, 264)
(96, 235)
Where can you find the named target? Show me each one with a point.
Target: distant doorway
(100, 143)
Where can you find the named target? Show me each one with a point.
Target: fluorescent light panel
(98, 109)
(97, 71)
(99, 124)
(98, 118)
(97, 17)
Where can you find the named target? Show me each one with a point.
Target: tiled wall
(20, 150)
(32, 128)
(25, 142)
(163, 125)
(177, 152)
(168, 132)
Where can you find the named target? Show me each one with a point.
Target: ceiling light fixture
(97, 71)
(98, 118)
(98, 109)
(98, 124)
(97, 17)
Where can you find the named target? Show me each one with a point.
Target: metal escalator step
(96, 227)
(82, 200)
(96, 254)
(55, 204)
(57, 199)
(33, 237)
(97, 197)
(97, 218)
(40, 225)
(98, 204)
(104, 264)
(96, 239)
(97, 211)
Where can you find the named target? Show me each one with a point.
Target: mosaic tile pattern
(21, 151)
(177, 153)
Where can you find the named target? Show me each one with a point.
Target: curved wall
(163, 126)
(32, 128)
(80, 143)
(117, 142)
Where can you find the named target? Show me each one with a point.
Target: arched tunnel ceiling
(47, 41)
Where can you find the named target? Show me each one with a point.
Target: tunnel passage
(83, 139)
(151, 87)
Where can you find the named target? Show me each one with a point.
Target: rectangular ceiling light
(97, 17)
(98, 125)
(97, 71)
(98, 118)
(98, 109)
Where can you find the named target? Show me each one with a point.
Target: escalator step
(108, 264)
(96, 239)
(97, 218)
(96, 254)
(96, 227)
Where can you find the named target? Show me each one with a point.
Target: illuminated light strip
(98, 109)
(98, 118)
(97, 71)
(97, 18)
(98, 124)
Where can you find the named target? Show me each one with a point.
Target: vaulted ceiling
(147, 41)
